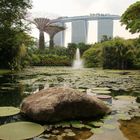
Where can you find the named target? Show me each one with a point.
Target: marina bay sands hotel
(79, 27)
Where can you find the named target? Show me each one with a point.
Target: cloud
(81, 7)
(110, 6)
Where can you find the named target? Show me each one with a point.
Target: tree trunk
(41, 41)
(51, 46)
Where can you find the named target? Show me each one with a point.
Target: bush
(117, 53)
(51, 60)
(93, 56)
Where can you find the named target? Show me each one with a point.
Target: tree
(12, 31)
(105, 38)
(131, 18)
(93, 56)
(117, 53)
(13, 12)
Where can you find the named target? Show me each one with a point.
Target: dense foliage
(57, 56)
(13, 36)
(117, 53)
(93, 56)
(131, 17)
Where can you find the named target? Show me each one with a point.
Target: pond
(124, 121)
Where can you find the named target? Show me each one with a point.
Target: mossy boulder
(58, 104)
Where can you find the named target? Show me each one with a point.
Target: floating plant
(8, 111)
(109, 126)
(20, 130)
(101, 91)
(109, 117)
(100, 88)
(95, 124)
(128, 98)
(63, 124)
(77, 124)
(97, 130)
(124, 117)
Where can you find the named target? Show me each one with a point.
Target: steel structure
(52, 30)
(41, 23)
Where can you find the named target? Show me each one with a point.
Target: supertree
(52, 30)
(41, 23)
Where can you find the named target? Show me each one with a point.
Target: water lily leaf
(97, 130)
(97, 124)
(101, 91)
(77, 124)
(100, 88)
(8, 111)
(124, 117)
(129, 98)
(109, 126)
(110, 117)
(137, 114)
(62, 124)
(88, 126)
(71, 134)
(47, 135)
(20, 130)
(67, 130)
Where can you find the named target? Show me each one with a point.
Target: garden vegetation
(18, 49)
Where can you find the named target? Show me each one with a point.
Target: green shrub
(51, 60)
(117, 53)
(93, 56)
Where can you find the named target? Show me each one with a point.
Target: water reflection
(12, 91)
(131, 130)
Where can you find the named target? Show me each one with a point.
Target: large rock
(57, 104)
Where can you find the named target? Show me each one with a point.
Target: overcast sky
(81, 7)
(84, 7)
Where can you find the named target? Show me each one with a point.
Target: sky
(57, 8)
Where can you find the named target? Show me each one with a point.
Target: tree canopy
(12, 31)
(117, 53)
(13, 12)
(131, 18)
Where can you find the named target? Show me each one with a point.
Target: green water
(14, 87)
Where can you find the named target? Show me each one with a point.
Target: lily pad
(100, 88)
(20, 130)
(101, 91)
(62, 124)
(67, 130)
(8, 111)
(71, 134)
(109, 117)
(129, 98)
(97, 130)
(77, 124)
(137, 114)
(109, 126)
(124, 117)
(96, 124)
(88, 126)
